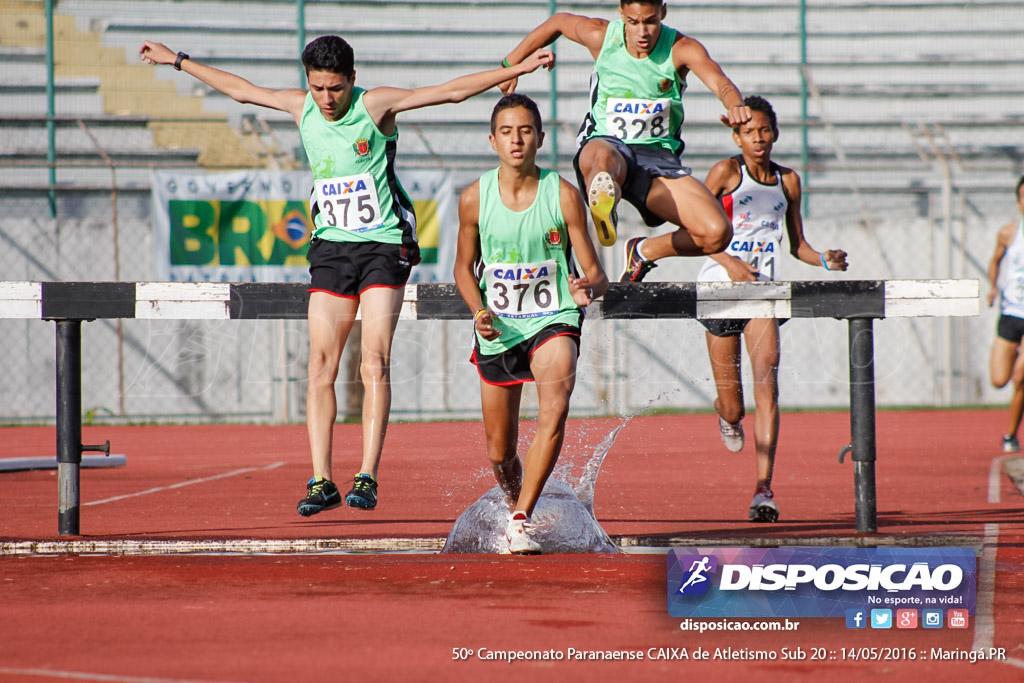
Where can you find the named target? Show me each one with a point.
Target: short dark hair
(656, 3)
(516, 100)
(758, 103)
(1019, 184)
(329, 53)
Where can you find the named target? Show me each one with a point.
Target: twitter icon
(881, 618)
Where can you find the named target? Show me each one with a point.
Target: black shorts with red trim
(348, 268)
(513, 366)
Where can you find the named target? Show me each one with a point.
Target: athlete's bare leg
(330, 321)
(686, 202)
(381, 307)
(553, 365)
(501, 424)
(724, 353)
(763, 348)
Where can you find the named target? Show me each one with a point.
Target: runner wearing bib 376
(514, 270)
(629, 144)
(364, 241)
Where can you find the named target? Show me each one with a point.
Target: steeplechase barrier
(860, 302)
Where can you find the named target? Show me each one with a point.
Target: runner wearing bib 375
(364, 241)
(514, 270)
(629, 144)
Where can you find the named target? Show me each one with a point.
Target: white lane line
(81, 675)
(189, 482)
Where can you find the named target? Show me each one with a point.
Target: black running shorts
(1010, 328)
(348, 268)
(513, 366)
(644, 163)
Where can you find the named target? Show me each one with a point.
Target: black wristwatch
(177, 62)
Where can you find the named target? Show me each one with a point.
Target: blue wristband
(823, 261)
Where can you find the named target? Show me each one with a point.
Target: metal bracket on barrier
(103, 448)
(848, 448)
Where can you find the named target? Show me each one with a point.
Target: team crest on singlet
(362, 147)
(553, 238)
(665, 85)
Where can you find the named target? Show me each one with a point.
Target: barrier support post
(69, 424)
(862, 422)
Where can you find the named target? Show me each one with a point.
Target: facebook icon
(856, 618)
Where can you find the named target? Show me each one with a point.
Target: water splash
(564, 515)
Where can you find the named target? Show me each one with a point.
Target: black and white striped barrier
(860, 302)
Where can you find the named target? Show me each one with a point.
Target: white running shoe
(763, 508)
(732, 434)
(519, 534)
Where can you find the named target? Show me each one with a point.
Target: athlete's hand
(739, 270)
(736, 116)
(579, 287)
(835, 258)
(485, 326)
(156, 53)
(991, 296)
(540, 58)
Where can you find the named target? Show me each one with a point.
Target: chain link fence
(903, 121)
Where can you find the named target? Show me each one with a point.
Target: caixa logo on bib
(816, 582)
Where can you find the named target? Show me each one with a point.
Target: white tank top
(1011, 276)
(758, 213)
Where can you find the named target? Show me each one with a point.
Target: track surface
(278, 617)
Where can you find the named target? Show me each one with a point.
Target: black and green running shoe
(363, 494)
(321, 494)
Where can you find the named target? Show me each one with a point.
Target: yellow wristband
(479, 312)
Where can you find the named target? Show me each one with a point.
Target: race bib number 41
(632, 119)
(522, 290)
(349, 203)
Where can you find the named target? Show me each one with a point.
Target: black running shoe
(321, 494)
(363, 494)
(637, 266)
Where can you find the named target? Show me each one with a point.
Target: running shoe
(732, 434)
(637, 266)
(1010, 443)
(763, 508)
(363, 494)
(321, 494)
(602, 208)
(519, 534)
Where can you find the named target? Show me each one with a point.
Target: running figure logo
(696, 581)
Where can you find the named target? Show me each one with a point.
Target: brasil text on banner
(254, 226)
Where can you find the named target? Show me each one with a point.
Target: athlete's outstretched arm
(834, 259)
(235, 87)
(586, 31)
(594, 282)
(690, 54)
(384, 103)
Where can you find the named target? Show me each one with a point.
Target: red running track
(400, 616)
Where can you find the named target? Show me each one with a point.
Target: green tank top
(356, 194)
(638, 101)
(525, 263)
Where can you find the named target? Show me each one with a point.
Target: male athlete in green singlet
(519, 228)
(629, 141)
(364, 244)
